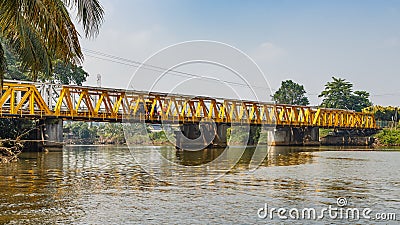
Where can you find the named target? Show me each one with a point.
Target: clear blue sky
(307, 41)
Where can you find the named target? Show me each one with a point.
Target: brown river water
(105, 185)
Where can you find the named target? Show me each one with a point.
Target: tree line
(338, 94)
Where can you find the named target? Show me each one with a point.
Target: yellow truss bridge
(38, 100)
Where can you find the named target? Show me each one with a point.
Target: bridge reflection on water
(103, 184)
(276, 156)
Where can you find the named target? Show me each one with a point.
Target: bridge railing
(387, 124)
(25, 99)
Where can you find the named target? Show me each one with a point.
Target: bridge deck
(37, 100)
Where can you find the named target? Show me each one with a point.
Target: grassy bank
(324, 132)
(388, 137)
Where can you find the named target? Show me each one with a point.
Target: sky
(306, 41)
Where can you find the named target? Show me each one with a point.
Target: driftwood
(10, 149)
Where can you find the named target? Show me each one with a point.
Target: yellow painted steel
(100, 104)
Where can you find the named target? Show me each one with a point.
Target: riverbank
(151, 138)
(387, 137)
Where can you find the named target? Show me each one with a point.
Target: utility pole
(98, 80)
(395, 118)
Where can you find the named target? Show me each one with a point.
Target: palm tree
(40, 31)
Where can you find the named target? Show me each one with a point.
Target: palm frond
(40, 31)
(48, 20)
(3, 65)
(90, 13)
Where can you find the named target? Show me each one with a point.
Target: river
(105, 185)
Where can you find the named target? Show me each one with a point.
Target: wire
(137, 64)
(133, 63)
(387, 94)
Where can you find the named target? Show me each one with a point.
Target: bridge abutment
(361, 137)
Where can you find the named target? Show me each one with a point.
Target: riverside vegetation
(111, 133)
(388, 137)
(84, 133)
(388, 119)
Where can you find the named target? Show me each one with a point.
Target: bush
(324, 132)
(389, 137)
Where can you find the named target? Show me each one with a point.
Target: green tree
(384, 113)
(62, 73)
(12, 128)
(82, 130)
(68, 73)
(339, 94)
(42, 31)
(360, 100)
(290, 93)
(113, 132)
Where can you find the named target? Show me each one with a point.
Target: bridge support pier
(294, 136)
(189, 131)
(220, 139)
(254, 133)
(51, 134)
(192, 131)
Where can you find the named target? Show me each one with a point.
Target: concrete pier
(306, 136)
(254, 133)
(216, 136)
(190, 136)
(220, 139)
(50, 133)
(195, 135)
